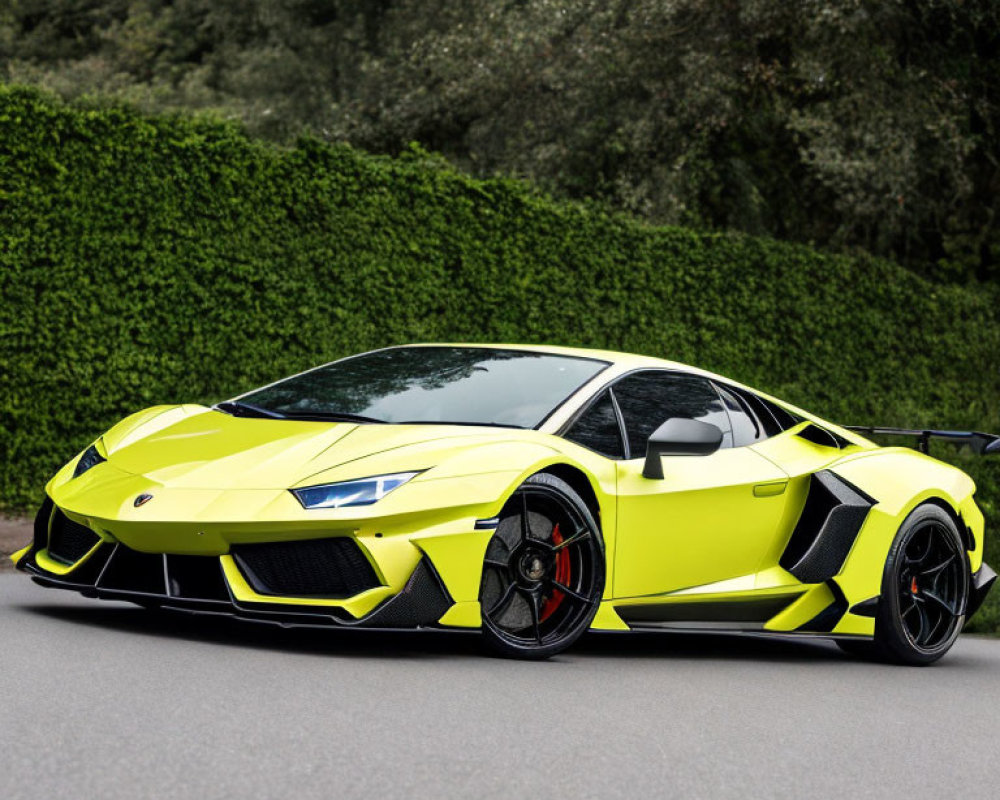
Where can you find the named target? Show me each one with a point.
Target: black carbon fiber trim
(333, 568)
(743, 610)
(41, 540)
(132, 571)
(831, 518)
(866, 608)
(195, 578)
(982, 581)
(115, 572)
(423, 601)
(70, 541)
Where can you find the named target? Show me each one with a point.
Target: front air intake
(329, 568)
(70, 541)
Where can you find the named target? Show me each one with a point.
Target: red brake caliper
(562, 576)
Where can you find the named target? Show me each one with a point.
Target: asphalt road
(102, 700)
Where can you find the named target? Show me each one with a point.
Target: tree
(867, 124)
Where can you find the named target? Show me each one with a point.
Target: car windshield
(456, 385)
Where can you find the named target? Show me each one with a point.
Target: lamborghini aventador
(532, 493)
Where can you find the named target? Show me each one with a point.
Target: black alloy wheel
(925, 590)
(543, 574)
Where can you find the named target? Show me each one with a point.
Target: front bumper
(202, 584)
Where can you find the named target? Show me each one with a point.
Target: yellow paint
(801, 610)
(797, 456)
(700, 524)
(18, 555)
(890, 475)
(714, 528)
(452, 556)
(463, 615)
(607, 619)
(49, 564)
(855, 625)
(774, 576)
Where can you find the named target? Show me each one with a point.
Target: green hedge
(161, 259)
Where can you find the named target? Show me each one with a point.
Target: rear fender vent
(831, 519)
(70, 541)
(332, 568)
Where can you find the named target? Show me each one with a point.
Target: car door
(798, 447)
(711, 518)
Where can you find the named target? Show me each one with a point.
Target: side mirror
(679, 437)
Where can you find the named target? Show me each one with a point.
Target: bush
(163, 259)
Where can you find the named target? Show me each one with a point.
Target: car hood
(197, 447)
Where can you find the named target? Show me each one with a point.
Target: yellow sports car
(530, 492)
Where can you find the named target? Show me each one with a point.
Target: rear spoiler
(982, 444)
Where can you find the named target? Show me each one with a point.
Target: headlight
(361, 492)
(90, 458)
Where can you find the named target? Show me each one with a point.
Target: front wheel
(543, 574)
(925, 590)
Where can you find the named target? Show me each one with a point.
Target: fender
(889, 476)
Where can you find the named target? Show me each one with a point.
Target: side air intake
(332, 568)
(831, 518)
(70, 541)
(823, 437)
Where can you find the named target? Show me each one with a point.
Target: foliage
(869, 124)
(150, 260)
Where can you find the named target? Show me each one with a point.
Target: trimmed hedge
(164, 259)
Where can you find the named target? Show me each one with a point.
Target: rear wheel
(925, 589)
(543, 573)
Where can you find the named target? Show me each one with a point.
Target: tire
(925, 590)
(541, 586)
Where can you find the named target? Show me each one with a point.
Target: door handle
(770, 489)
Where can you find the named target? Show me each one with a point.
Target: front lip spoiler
(421, 603)
(982, 581)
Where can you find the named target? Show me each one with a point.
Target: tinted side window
(597, 428)
(648, 399)
(746, 428)
(785, 419)
(770, 418)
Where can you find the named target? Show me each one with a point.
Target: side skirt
(716, 614)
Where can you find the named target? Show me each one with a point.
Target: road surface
(103, 700)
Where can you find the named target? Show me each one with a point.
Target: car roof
(627, 360)
(621, 363)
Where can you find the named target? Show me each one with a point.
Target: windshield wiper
(332, 416)
(240, 409)
(455, 422)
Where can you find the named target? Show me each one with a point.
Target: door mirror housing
(679, 437)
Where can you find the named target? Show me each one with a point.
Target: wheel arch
(953, 513)
(580, 483)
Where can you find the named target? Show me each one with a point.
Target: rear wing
(983, 444)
